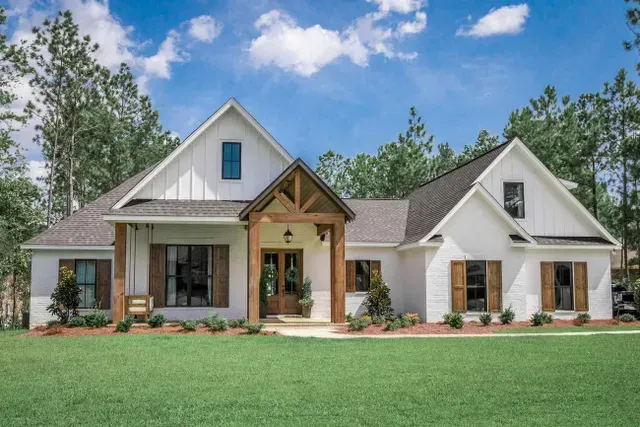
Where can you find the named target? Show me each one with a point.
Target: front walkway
(332, 332)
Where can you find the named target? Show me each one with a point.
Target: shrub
(349, 317)
(157, 321)
(378, 320)
(306, 300)
(189, 325)
(378, 300)
(626, 318)
(216, 323)
(97, 319)
(367, 318)
(254, 328)
(52, 323)
(392, 325)
(240, 322)
(485, 318)
(358, 324)
(507, 315)
(125, 324)
(65, 298)
(581, 319)
(547, 318)
(404, 321)
(77, 322)
(455, 320)
(539, 318)
(413, 317)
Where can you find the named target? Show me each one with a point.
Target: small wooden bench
(139, 305)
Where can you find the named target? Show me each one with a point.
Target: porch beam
(310, 201)
(282, 199)
(120, 262)
(287, 217)
(338, 284)
(296, 186)
(323, 228)
(253, 292)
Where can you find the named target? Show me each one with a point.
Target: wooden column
(337, 273)
(120, 263)
(253, 292)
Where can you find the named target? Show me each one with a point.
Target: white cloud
(159, 65)
(37, 169)
(504, 20)
(304, 51)
(17, 7)
(204, 28)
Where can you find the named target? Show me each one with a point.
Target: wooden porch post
(120, 262)
(337, 273)
(253, 294)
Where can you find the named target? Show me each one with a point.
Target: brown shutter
(221, 276)
(494, 277)
(581, 286)
(69, 263)
(547, 283)
(459, 286)
(376, 265)
(351, 275)
(157, 274)
(103, 283)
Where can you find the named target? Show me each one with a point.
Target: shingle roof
(377, 220)
(568, 240)
(202, 208)
(431, 202)
(86, 226)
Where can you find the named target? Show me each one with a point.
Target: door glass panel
(199, 282)
(476, 286)
(291, 261)
(271, 262)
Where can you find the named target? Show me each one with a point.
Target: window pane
(181, 291)
(271, 261)
(236, 153)
(81, 268)
(563, 285)
(363, 275)
(90, 296)
(171, 291)
(226, 151)
(291, 261)
(514, 199)
(235, 170)
(82, 297)
(90, 274)
(172, 257)
(182, 267)
(476, 285)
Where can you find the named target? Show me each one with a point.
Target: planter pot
(306, 311)
(263, 311)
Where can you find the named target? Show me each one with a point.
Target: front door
(284, 290)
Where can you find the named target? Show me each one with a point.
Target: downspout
(135, 248)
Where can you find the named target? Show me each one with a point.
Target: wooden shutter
(376, 265)
(459, 286)
(69, 263)
(351, 275)
(547, 283)
(494, 277)
(103, 283)
(157, 274)
(221, 276)
(581, 286)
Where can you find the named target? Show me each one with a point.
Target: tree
(65, 298)
(484, 142)
(633, 23)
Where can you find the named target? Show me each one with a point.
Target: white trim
(419, 245)
(554, 180)
(478, 188)
(67, 247)
(366, 244)
(569, 184)
(233, 220)
(570, 247)
(193, 136)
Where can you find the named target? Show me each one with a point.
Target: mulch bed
(138, 329)
(477, 328)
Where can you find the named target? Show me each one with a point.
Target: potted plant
(306, 302)
(269, 275)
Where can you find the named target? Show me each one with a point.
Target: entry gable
(200, 168)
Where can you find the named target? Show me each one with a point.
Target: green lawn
(159, 380)
(543, 330)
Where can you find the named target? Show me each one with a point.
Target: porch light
(288, 236)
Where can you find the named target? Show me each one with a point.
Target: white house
(195, 231)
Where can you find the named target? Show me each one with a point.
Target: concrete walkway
(332, 332)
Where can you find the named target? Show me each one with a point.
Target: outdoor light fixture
(288, 236)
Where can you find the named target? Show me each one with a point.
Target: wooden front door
(283, 293)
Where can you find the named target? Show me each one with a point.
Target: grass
(189, 380)
(543, 330)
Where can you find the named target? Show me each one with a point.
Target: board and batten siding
(547, 210)
(196, 174)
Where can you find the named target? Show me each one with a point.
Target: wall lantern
(288, 236)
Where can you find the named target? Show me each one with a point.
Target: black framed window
(231, 160)
(514, 199)
(476, 286)
(363, 275)
(563, 282)
(189, 276)
(86, 279)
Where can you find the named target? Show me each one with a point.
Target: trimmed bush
(358, 324)
(626, 318)
(414, 318)
(378, 320)
(507, 315)
(392, 325)
(349, 317)
(65, 298)
(367, 318)
(218, 323)
(585, 317)
(125, 324)
(539, 318)
(96, 319)
(404, 321)
(254, 328)
(77, 322)
(157, 321)
(240, 322)
(378, 300)
(455, 320)
(548, 318)
(189, 325)
(485, 318)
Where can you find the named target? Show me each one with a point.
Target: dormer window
(514, 199)
(231, 156)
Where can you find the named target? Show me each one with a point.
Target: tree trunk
(594, 188)
(52, 173)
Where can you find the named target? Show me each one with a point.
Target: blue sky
(318, 78)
